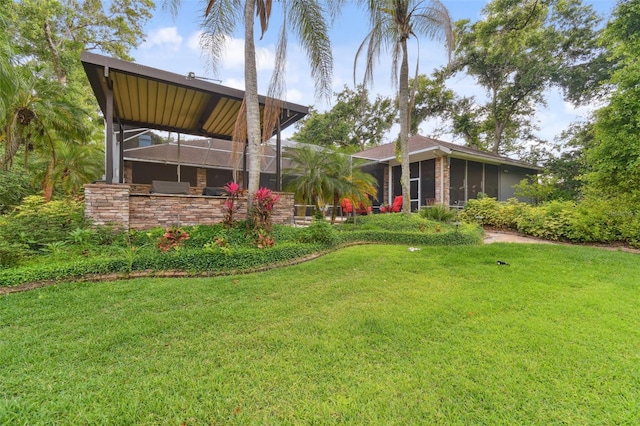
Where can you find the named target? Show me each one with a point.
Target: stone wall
(107, 204)
(115, 204)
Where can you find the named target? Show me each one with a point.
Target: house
(445, 173)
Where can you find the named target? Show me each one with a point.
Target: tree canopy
(354, 122)
(517, 51)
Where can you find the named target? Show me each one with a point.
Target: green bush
(551, 221)
(467, 234)
(320, 231)
(395, 222)
(36, 223)
(14, 186)
(438, 212)
(487, 211)
(11, 253)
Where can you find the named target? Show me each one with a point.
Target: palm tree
(309, 179)
(75, 165)
(37, 113)
(306, 19)
(393, 23)
(349, 181)
(320, 176)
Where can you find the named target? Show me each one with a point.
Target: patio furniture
(396, 207)
(347, 207)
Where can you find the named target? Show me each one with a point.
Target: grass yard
(370, 334)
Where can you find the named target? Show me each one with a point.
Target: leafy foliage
(592, 220)
(614, 157)
(353, 123)
(438, 212)
(517, 51)
(36, 222)
(14, 186)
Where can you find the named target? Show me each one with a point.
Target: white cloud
(194, 41)
(295, 96)
(233, 56)
(166, 38)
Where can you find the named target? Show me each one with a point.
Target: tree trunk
(403, 140)
(62, 78)
(252, 103)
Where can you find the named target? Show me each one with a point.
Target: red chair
(393, 208)
(347, 207)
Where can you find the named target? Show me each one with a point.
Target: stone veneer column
(201, 178)
(128, 172)
(442, 180)
(107, 204)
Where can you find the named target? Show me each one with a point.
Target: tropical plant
(73, 165)
(233, 192)
(264, 201)
(307, 20)
(349, 181)
(39, 113)
(307, 177)
(393, 23)
(173, 238)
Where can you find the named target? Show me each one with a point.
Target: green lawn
(370, 334)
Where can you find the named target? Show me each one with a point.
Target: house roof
(153, 98)
(421, 144)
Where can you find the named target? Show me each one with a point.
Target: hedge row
(184, 260)
(589, 221)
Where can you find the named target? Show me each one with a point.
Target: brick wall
(114, 204)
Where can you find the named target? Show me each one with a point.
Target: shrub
(438, 212)
(551, 221)
(395, 222)
(320, 231)
(11, 253)
(35, 222)
(173, 238)
(487, 211)
(14, 186)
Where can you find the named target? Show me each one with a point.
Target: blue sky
(172, 44)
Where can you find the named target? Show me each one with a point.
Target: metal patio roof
(135, 95)
(149, 97)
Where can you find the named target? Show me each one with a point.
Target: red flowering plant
(233, 192)
(263, 201)
(173, 238)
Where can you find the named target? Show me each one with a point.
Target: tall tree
(305, 19)
(46, 107)
(614, 156)
(55, 31)
(353, 123)
(393, 23)
(432, 100)
(516, 52)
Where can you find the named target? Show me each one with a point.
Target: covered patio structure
(133, 96)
